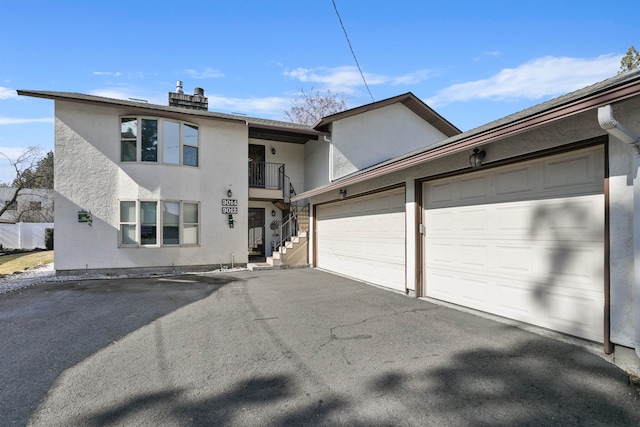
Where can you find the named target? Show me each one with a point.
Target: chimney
(197, 101)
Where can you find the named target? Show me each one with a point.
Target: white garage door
(524, 242)
(364, 238)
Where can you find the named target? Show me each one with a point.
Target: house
(31, 205)
(530, 217)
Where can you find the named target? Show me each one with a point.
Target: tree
(630, 61)
(41, 176)
(33, 171)
(309, 107)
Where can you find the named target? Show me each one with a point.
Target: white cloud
(107, 73)
(347, 78)
(6, 93)
(412, 78)
(541, 77)
(207, 73)
(22, 121)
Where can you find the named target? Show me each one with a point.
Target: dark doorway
(256, 232)
(256, 165)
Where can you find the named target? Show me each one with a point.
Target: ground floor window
(159, 223)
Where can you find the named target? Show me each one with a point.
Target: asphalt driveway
(285, 347)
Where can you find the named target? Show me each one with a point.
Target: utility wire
(352, 52)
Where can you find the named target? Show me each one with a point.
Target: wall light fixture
(476, 158)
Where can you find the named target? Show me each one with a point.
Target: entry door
(256, 232)
(256, 165)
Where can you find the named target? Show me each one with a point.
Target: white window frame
(159, 224)
(160, 147)
(135, 223)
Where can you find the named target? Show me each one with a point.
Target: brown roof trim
(311, 133)
(473, 138)
(409, 100)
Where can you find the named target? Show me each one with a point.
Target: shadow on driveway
(48, 328)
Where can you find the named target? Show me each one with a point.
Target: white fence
(23, 235)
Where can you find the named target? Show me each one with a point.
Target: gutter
(474, 138)
(618, 131)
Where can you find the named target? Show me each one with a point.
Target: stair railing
(289, 227)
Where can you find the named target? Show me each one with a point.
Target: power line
(352, 52)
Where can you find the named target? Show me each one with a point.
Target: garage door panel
(364, 238)
(532, 249)
(574, 170)
(513, 259)
(473, 188)
(473, 256)
(513, 181)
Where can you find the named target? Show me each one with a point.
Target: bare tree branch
(309, 107)
(27, 176)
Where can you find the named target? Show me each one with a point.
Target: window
(128, 223)
(170, 223)
(128, 139)
(190, 147)
(179, 221)
(149, 140)
(190, 223)
(35, 206)
(152, 140)
(11, 206)
(171, 153)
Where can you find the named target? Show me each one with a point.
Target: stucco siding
(90, 177)
(378, 135)
(316, 164)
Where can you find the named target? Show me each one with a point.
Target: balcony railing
(266, 175)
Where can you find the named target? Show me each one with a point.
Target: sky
(471, 61)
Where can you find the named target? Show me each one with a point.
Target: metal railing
(290, 226)
(266, 175)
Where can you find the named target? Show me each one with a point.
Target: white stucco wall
(375, 136)
(89, 176)
(575, 129)
(316, 164)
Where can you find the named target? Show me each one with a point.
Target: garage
(524, 241)
(364, 238)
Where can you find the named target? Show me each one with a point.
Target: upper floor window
(154, 140)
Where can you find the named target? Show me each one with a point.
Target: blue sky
(472, 61)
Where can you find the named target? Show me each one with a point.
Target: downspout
(615, 129)
(330, 157)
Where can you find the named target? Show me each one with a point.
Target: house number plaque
(229, 206)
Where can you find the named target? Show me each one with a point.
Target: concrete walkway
(285, 347)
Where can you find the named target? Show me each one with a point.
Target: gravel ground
(47, 274)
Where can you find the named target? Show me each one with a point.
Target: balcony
(267, 181)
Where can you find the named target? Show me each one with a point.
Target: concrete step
(274, 262)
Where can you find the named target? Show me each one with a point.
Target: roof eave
(590, 101)
(409, 100)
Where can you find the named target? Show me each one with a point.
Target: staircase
(294, 232)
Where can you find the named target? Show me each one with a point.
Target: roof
(267, 128)
(614, 89)
(409, 100)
